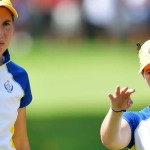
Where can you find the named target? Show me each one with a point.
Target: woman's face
(6, 29)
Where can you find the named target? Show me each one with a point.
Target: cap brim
(141, 69)
(143, 66)
(14, 12)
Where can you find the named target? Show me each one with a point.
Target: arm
(115, 131)
(20, 137)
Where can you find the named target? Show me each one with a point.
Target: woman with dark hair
(15, 93)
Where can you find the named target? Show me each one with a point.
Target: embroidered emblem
(8, 86)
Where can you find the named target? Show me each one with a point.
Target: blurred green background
(70, 82)
(76, 52)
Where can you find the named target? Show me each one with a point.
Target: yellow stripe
(12, 131)
(132, 148)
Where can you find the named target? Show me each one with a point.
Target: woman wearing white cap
(15, 93)
(122, 128)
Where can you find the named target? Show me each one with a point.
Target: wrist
(117, 111)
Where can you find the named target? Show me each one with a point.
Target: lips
(2, 43)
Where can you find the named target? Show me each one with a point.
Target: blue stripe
(21, 77)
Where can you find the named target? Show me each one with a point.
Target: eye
(148, 72)
(7, 23)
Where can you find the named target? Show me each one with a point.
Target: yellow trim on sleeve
(12, 130)
(132, 148)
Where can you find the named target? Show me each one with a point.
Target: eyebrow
(8, 20)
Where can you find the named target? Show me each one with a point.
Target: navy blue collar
(6, 56)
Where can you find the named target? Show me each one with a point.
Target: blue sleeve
(134, 119)
(27, 95)
(20, 75)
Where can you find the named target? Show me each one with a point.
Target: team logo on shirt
(8, 86)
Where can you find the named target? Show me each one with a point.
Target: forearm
(115, 131)
(23, 147)
(20, 137)
(21, 144)
(111, 128)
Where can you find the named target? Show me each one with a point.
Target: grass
(70, 83)
(65, 133)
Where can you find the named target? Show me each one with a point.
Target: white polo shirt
(140, 128)
(14, 93)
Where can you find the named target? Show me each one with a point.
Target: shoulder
(137, 115)
(19, 74)
(15, 67)
(145, 112)
(134, 119)
(16, 70)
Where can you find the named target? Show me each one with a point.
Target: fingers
(117, 90)
(121, 92)
(121, 100)
(111, 96)
(130, 91)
